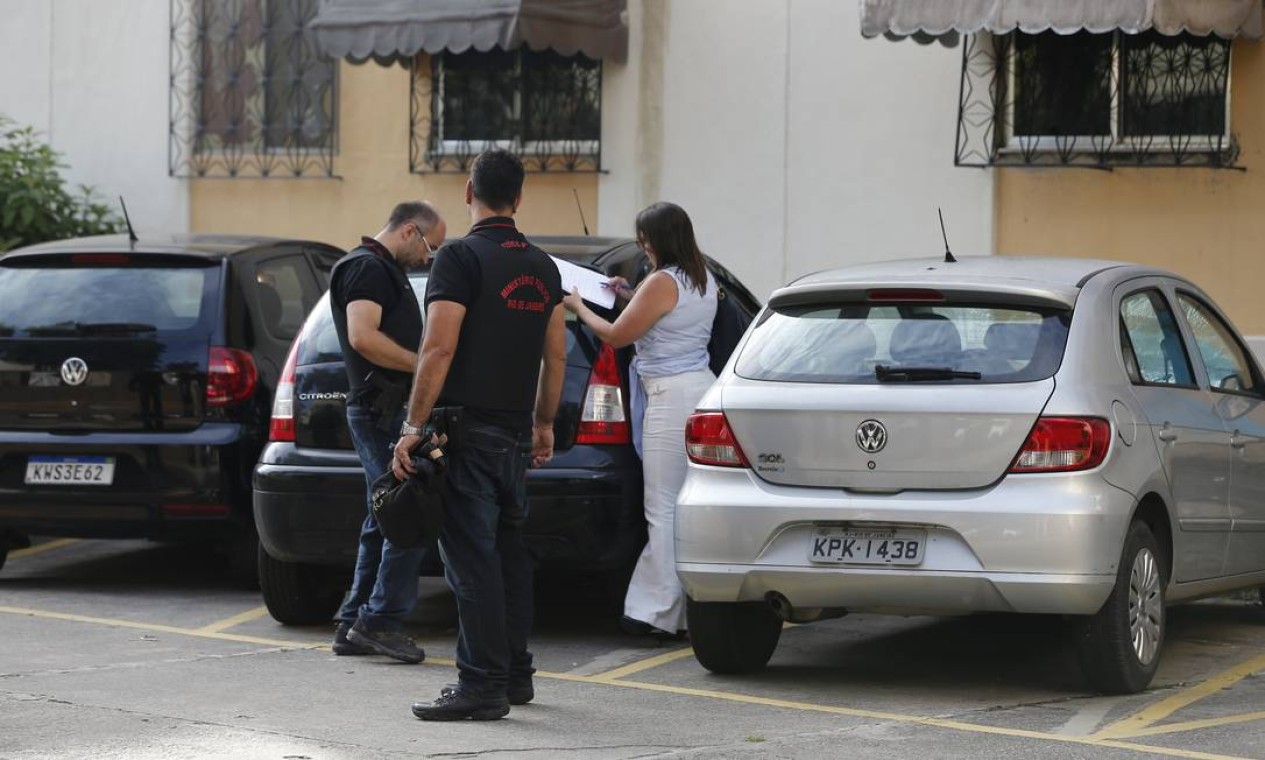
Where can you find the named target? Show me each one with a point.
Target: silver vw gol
(998, 434)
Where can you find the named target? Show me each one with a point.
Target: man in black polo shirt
(379, 325)
(492, 316)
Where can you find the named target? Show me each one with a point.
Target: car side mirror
(1231, 382)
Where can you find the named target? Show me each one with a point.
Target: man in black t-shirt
(379, 326)
(495, 348)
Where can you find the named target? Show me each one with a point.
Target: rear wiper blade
(109, 327)
(914, 374)
(91, 328)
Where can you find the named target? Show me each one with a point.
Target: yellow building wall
(373, 163)
(1205, 224)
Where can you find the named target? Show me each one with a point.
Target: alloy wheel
(1146, 606)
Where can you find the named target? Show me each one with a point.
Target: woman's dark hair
(668, 230)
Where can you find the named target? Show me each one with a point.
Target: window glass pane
(1173, 85)
(845, 342)
(478, 95)
(230, 37)
(561, 97)
(53, 300)
(261, 83)
(1154, 340)
(1062, 84)
(1228, 367)
(298, 85)
(287, 290)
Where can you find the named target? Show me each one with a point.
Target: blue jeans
(384, 588)
(485, 559)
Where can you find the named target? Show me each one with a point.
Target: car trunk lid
(882, 437)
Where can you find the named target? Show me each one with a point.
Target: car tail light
(906, 295)
(603, 419)
(709, 440)
(1064, 444)
(231, 377)
(281, 428)
(106, 259)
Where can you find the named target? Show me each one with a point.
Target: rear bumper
(166, 485)
(1038, 544)
(310, 504)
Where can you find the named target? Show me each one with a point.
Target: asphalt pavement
(128, 649)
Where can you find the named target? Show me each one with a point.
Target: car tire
(1119, 647)
(732, 637)
(297, 593)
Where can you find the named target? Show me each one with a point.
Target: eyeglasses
(430, 250)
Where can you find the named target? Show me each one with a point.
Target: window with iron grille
(1095, 100)
(543, 106)
(250, 96)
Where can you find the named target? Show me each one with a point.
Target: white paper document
(592, 285)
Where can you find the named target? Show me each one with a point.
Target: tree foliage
(35, 203)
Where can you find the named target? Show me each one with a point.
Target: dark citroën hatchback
(586, 513)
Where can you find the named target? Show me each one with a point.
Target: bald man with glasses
(379, 325)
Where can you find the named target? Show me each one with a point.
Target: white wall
(92, 76)
(794, 143)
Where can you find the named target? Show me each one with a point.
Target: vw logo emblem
(74, 371)
(871, 436)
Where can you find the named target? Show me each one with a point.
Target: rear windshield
(319, 344)
(868, 343)
(76, 300)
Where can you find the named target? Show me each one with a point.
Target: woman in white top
(669, 318)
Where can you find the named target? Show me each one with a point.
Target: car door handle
(1167, 434)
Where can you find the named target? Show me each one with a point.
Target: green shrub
(35, 204)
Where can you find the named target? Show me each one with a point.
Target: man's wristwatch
(407, 429)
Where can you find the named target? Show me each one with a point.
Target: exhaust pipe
(780, 604)
(783, 609)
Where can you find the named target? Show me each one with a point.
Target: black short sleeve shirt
(371, 273)
(509, 288)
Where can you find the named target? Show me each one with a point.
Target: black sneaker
(519, 694)
(342, 646)
(456, 704)
(390, 643)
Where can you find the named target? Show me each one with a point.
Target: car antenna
(580, 208)
(131, 233)
(948, 255)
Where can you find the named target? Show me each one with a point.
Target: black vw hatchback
(136, 381)
(586, 504)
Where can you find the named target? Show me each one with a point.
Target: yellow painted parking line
(1195, 725)
(156, 628)
(234, 621)
(911, 719)
(1131, 725)
(41, 548)
(643, 665)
